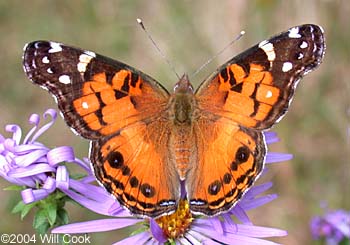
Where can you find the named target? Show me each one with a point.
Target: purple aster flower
(182, 227)
(31, 164)
(333, 227)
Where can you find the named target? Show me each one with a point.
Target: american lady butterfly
(147, 142)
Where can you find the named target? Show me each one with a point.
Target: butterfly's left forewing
(121, 110)
(244, 96)
(256, 87)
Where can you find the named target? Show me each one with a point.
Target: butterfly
(147, 143)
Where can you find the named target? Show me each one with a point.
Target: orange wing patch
(246, 96)
(229, 164)
(107, 105)
(133, 167)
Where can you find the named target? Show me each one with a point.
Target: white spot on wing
(300, 56)
(55, 47)
(45, 60)
(85, 105)
(303, 44)
(90, 53)
(65, 79)
(287, 66)
(268, 49)
(49, 70)
(294, 33)
(268, 94)
(25, 46)
(84, 60)
(263, 43)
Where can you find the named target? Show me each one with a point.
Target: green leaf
(18, 207)
(170, 242)
(27, 208)
(77, 176)
(43, 228)
(139, 230)
(345, 241)
(13, 188)
(51, 212)
(40, 223)
(62, 217)
(60, 195)
(23, 208)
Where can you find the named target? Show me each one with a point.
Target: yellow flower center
(176, 224)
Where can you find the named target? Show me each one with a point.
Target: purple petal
(30, 158)
(97, 207)
(62, 178)
(96, 226)
(258, 231)
(257, 190)
(240, 213)
(30, 170)
(93, 192)
(116, 210)
(273, 157)
(140, 238)
(48, 113)
(84, 165)
(10, 145)
(2, 138)
(88, 179)
(192, 237)
(33, 119)
(16, 130)
(340, 220)
(30, 195)
(228, 222)
(49, 184)
(156, 231)
(25, 181)
(315, 227)
(24, 149)
(232, 239)
(271, 137)
(101, 202)
(257, 202)
(60, 154)
(217, 225)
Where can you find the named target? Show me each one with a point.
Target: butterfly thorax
(182, 102)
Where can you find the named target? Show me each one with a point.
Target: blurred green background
(316, 129)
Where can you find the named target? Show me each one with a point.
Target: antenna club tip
(139, 20)
(242, 32)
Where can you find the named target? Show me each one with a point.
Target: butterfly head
(183, 86)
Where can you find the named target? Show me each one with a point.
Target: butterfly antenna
(156, 46)
(218, 53)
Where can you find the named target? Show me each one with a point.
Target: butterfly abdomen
(182, 149)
